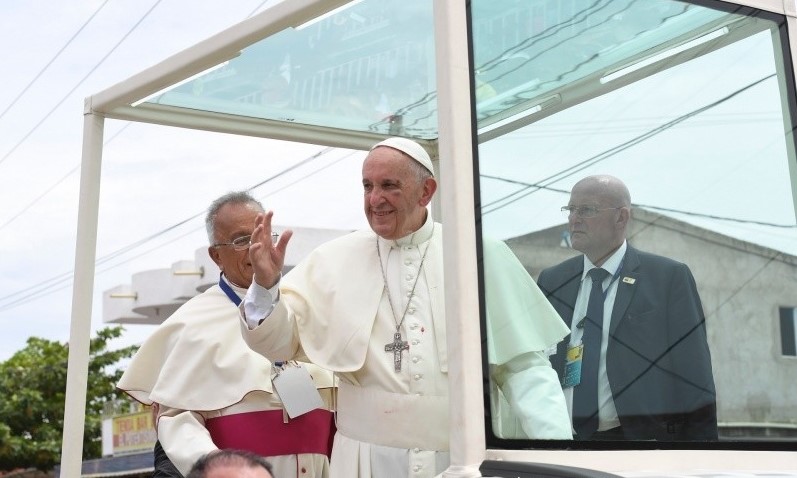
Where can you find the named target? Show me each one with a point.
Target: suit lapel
(567, 291)
(625, 288)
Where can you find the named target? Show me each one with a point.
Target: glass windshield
(650, 139)
(368, 67)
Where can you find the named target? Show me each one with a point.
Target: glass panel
(525, 53)
(369, 67)
(686, 104)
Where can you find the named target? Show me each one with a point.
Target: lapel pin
(629, 280)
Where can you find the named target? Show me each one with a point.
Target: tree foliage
(32, 393)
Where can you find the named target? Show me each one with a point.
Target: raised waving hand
(267, 257)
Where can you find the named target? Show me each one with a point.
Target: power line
(647, 206)
(82, 80)
(578, 17)
(595, 159)
(51, 285)
(155, 235)
(41, 72)
(309, 175)
(257, 8)
(39, 197)
(770, 258)
(48, 283)
(556, 131)
(270, 193)
(74, 169)
(54, 185)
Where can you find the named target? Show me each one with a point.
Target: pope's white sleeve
(258, 303)
(532, 389)
(183, 436)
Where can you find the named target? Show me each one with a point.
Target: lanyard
(236, 300)
(614, 278)
(228, 290)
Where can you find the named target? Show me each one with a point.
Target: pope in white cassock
(369, 306)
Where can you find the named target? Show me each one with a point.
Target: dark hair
(219, 458)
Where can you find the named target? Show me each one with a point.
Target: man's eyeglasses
(586, 211)
(239, 243)
(242, 243)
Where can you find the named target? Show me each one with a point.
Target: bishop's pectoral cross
(397, 346)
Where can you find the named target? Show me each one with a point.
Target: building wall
(742, 287)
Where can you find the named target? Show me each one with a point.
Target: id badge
(296, 389)
(572, 375)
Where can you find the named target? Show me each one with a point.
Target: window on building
(788, 331)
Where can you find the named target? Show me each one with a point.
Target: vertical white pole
(82, 292)
(466, 409)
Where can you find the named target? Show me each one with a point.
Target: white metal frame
(455, 145)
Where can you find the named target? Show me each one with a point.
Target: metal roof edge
(220, 47)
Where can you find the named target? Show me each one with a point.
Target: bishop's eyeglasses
(242, 243)
(239, 243)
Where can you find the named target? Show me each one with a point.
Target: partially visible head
(398, 184)
(599, 236)
(231, 464)
(232, 217)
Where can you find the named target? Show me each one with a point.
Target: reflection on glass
(530, 51)
(698, 138)
(521, 325)
(636, 364)
(369, 67)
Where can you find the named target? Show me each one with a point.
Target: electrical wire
(52, 60)
(257, 8)
(54, 185)
(63, 280)
(77, 167)
(79, 83)
(538, 186)
(606, 154)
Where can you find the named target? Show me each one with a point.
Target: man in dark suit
(637, 364)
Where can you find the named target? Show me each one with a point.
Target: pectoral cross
(397, 346)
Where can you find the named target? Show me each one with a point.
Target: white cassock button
(407, 262)
(418, 376)
(409, 277)
(415, 359)
(414, 325)
(416, 468)
(416, 450)
(416, 342)
(411, 310)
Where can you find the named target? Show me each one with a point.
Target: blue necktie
(585, 395)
